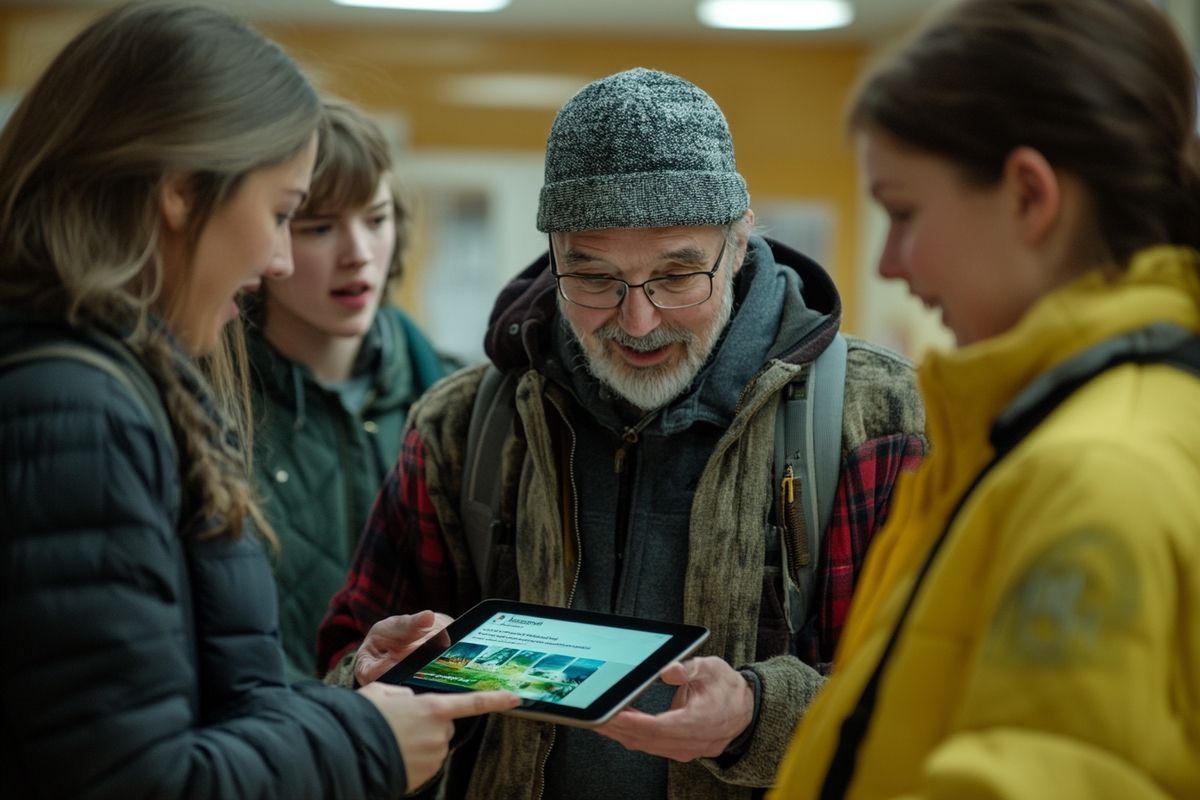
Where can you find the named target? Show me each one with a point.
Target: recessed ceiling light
(776, 15)
(428, 5)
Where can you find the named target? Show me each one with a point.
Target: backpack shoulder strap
(808, 457)
(479, 504)
(124, 369)
(1186, 356)
(1158, 343)
(823, 430)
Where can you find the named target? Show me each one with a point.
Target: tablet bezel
(684, 640)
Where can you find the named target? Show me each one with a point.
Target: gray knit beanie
(640, 149)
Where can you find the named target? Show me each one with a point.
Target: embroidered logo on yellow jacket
(1054, 647)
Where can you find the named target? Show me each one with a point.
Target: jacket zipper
(574, 508)
(624, 490)
(344, 436)
(541, 777)
(629, 441)
(545, 760)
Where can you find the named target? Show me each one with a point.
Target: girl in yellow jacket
(1028, 624)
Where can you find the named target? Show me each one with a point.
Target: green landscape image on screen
(529, 673)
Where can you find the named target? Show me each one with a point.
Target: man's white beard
(650, 388)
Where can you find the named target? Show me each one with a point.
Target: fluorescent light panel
(776, 15)
(428, 5)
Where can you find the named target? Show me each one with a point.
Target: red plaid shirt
(402, 564)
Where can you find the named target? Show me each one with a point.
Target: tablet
(570, 667)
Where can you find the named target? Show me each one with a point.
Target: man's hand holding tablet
(712, 707)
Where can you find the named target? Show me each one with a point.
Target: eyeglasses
(666, 291)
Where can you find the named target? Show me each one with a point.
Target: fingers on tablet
(470, 704)
(675, 674)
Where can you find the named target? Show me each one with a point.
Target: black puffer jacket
(138, 663)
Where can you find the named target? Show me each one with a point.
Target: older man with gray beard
(651, 343)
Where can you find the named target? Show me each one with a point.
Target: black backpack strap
(1186, 356)
(479, 505)
(121, 366)
(1159, 343)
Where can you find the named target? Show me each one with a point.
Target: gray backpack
(808, 456)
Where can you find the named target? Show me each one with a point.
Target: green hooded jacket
(318, 463)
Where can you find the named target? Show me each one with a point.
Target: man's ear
(1036, 192)
(175, 199)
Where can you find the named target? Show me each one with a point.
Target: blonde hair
(147, 90)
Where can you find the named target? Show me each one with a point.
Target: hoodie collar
(285, 380)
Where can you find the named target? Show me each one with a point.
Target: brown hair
(353, 156)
(1103, 89)
(146, 90)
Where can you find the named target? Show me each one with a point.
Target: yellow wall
(784, 101)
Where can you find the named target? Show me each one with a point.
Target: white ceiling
(874, 19)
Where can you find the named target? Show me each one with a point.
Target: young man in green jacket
(335, 369)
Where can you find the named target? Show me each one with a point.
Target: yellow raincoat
(1054, 647)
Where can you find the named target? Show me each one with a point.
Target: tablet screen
(555, 661)
(581, 665)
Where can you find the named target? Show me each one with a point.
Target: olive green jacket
(318, 464)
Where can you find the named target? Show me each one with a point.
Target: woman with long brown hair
(146, 180)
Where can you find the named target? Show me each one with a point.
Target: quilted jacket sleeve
(103, 693)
